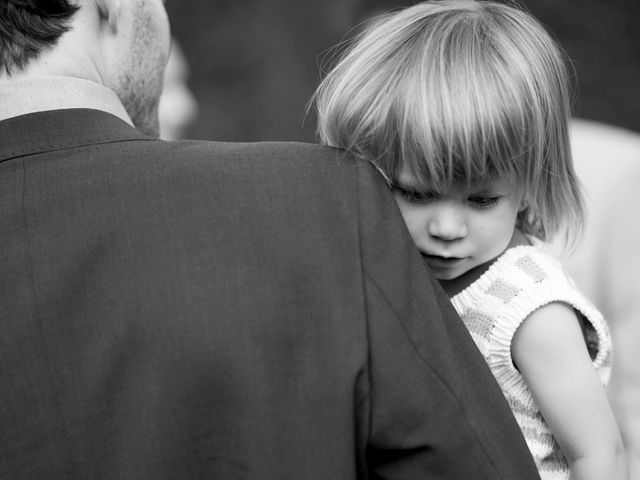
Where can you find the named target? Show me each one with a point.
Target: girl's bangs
(467, 136)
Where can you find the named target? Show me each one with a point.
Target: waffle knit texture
(520, 281)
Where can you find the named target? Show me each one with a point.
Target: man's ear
(109, 11)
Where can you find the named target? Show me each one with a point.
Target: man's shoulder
(293, 165)
(278, 148)
(309, 155)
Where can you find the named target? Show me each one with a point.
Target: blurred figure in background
(178, 106)
(606, 267)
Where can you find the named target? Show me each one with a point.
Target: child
(463, 106)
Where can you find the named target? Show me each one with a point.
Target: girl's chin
(447, 276)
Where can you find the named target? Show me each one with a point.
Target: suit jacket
(229, 311)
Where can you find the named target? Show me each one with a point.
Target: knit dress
(521, 280)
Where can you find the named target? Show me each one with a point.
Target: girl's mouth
(441, 262)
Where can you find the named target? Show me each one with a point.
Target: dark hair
(27, 27)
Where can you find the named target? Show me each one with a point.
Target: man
(206, 310)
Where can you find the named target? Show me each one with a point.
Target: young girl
(463, 105)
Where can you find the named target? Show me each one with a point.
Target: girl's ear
(524, 203)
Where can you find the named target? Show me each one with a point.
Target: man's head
(122, 44)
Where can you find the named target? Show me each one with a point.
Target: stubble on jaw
(141, 102)
(141, 78)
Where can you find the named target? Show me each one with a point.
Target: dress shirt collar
(21, 97)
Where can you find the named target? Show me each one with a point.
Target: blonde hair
(456, 90)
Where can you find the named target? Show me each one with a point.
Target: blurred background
(254, 64)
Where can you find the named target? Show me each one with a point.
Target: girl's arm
(550, 352)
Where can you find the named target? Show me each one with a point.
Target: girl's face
(463, 227)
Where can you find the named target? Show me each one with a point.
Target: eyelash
(483, 202)
(478, 201)
(413, 196)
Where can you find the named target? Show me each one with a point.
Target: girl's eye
(414, 196)
(484, 201)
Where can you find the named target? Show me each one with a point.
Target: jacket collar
(52, 113)
(62, 129)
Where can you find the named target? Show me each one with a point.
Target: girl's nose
(447, 224)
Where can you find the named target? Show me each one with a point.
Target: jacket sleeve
(433, 409)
